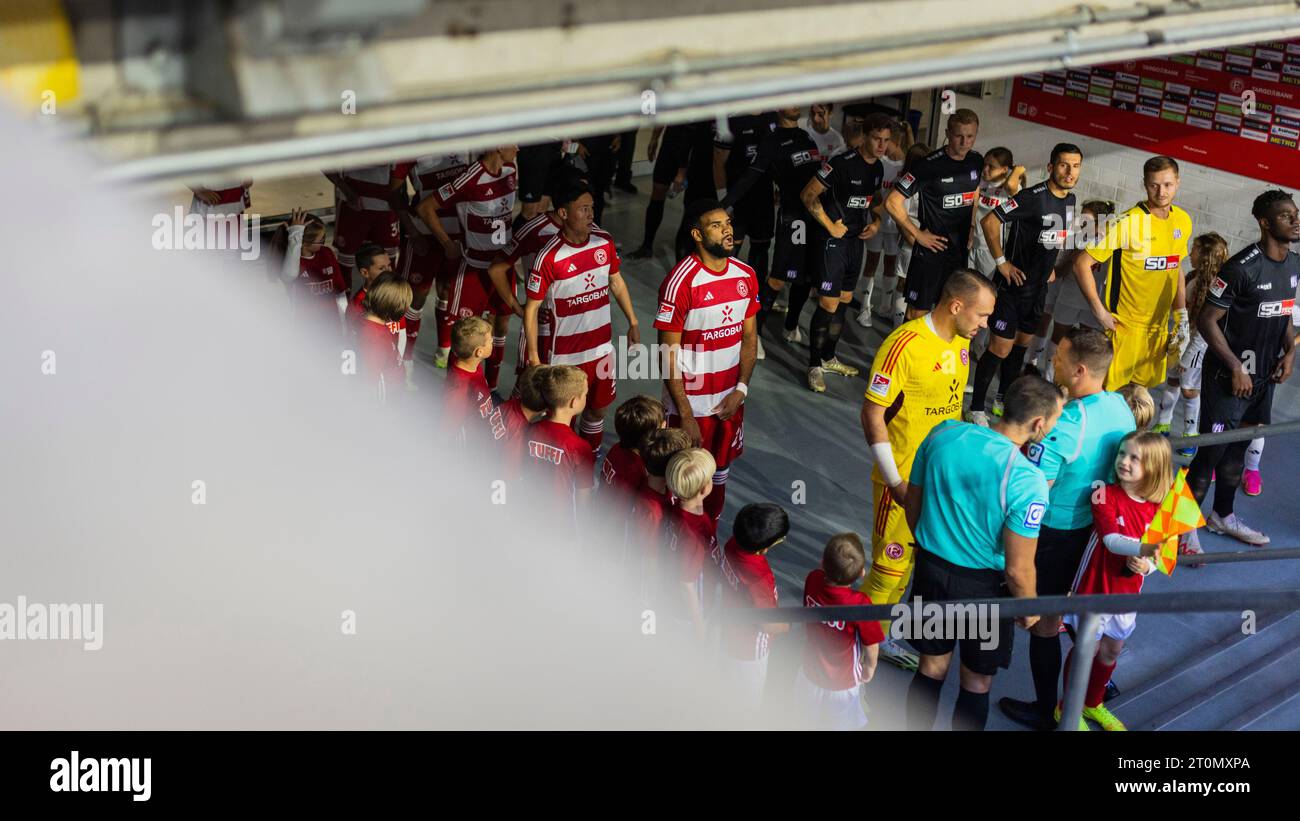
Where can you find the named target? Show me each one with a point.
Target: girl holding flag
(1120, 555)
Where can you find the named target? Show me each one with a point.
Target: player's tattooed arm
(896, 205)
(1208, 324)
(877, 215)
(427, 210)
(811, 196)
(671, 342)
(731, 403)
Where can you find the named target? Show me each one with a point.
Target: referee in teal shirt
(976, 505)
(1076, 459)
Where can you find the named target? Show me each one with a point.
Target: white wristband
(743, 388)
(999, 260)
(884, 456)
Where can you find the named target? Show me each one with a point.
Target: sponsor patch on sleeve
(1218, 286)
(1035, 452)
(534, 282)
(905, 181)
(1034, 515)
(1009, 205)
(666, 312)
(879, 384)
(445, 192)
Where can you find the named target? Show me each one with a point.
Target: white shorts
(885, 240)
(981, 260)
(1113, 626)
(1053, 291)
(904, 259)
(1190, 363)
(829, 709)
(744, 681)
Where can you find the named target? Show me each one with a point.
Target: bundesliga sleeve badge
(534, 282)
(879, 384)
(665, 312)
(1218, 286)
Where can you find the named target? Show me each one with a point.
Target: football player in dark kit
(789, 157)
(754, 212)
(1040, 218)
(1247, 322)
(846, 206)
(947, 181)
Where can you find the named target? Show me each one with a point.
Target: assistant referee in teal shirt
(976, 505)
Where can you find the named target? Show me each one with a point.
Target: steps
(1242, 682)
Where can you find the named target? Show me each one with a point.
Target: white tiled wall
(1216, 200)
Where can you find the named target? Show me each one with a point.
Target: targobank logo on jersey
(958, 200)
(1035, 452)
(1034, 515)
(1281, 308)
(1161, 263)
(879, 384)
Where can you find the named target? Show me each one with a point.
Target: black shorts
(1221, 411)
(835, 264)
(1018, 309)
(755, 215)
(537, 165)
(672, 156)
(935, 579)
(928, 272)
(789, 258)
(1057, 559)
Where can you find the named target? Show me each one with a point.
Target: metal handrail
(1236, 435)
(1089, 608)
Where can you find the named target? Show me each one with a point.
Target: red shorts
(602, 386)
(352, 228)
(423, 270)
(472, 294)
(724, 439)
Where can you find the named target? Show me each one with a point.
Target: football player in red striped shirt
(692, 533)
(363, 209)
(484, 199)
(573, 278)
(384, 303)
(706, 322)
(468, 410)
(747, 581)
(623, 470)
(838, 656)
(424, 262)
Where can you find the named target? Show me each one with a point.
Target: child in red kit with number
(1116, 561)
(468, 411)
(747, 582)
(838, 657)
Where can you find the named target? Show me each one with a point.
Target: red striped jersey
(709, 308)
(233, 199)
(532, 237)
(832, 652)
(484, 203)
(373, 184)
(431, 172)
(573, 283)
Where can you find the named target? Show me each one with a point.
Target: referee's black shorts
(537, 167)
(1056, 561)
(935, 579)
(673, 155)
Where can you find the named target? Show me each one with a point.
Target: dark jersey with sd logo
(948, 189)
(852, 184)
(747, 131)
(1040, 222)
(787, 155)
(1259, 296)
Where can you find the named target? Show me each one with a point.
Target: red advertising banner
(1235, 109)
